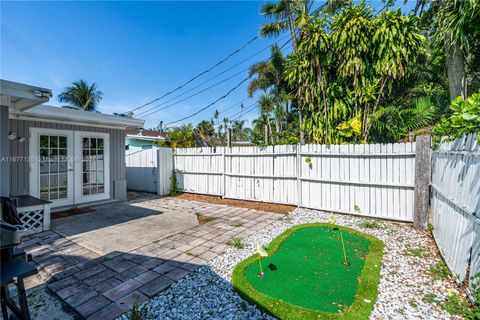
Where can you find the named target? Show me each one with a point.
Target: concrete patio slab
(123, 227)
(100, 263)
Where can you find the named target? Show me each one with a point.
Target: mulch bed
(260, 206)
(71, 212)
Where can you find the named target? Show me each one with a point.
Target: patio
(102, 280)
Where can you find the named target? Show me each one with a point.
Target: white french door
(69, 167)
(92, 174)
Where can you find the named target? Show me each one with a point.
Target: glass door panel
(53, 167)
(92, 166)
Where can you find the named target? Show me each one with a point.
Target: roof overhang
(145, 138)
(70, 116)
(22, 97)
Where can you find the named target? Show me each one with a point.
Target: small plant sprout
(345, 260)
(332, 219)
(236, 243)
(308, 160)
(261, 253)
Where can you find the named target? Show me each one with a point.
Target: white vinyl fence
(455, 192)
(149, 170)
(141, 170)
(373, 180)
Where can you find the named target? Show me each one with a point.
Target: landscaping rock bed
(407, 289)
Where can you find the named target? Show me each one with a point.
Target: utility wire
(211, 104)
(198, 75)
(148, 112)
(245, 112)
(222, 97)
(141, 114)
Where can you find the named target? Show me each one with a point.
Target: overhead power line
(148, 113)
(141, 114)
(245, 112)
(198, 75)
(211, 104)
(222, 97)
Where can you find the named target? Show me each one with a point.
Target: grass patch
(430, 298)
(439, 271)
(236, 243)
(202, 219)
(307, 278)
(370, 224)
(418, 252)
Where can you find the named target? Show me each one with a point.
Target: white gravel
(405, 277)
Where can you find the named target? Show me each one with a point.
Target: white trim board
(65, 115)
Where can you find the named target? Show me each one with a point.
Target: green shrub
(439, 271)
(236, 243)
(174, 184)
(137, 313)
(464, 120)
(370, 224)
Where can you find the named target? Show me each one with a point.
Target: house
(65, 156)
(141, 139)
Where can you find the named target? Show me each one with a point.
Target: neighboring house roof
(147, 135)
(65, 115)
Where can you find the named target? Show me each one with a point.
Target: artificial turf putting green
(305, 278)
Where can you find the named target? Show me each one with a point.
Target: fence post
(299, 174)
(422, 182)
(224, 177)
(159, 177)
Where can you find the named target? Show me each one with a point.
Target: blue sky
(134, 51)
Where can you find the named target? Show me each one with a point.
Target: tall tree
(270, 78)
(345, 65)
(81, 96)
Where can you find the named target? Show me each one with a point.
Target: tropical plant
(344, 66)
(81, 96)
(269, 77)
(456, 28)
(397, 123)
(205, 129)
(180, 137)
(464, 120)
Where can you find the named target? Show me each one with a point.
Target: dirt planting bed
(260, 206)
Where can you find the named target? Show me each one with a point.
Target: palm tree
(270, 78)
(181, 137)
(81, 96)
(238, 129)
(267, 105)
(286, 15)
(456, 28)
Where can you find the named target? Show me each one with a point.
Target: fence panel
(141, 172)
(265, 174)
(456, 202)
(374, 180)
(200, 170)
(165, 170)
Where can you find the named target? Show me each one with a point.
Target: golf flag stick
(261, 253)
(345, 262)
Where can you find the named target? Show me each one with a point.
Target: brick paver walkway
(104, 287)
